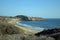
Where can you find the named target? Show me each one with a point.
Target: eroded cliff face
(34, 18)
(27, 18)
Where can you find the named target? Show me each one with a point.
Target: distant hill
(27, 18)
(22, 17)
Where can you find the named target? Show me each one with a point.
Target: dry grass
(21, 37)
(6, 28)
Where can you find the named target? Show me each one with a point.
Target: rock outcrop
(55, 33)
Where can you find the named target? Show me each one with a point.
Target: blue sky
(36, 8)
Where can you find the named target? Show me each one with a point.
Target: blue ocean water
(46, 23)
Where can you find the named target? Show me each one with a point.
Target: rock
(55, 33)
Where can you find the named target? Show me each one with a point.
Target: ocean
(41, 25)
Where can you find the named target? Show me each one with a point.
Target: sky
(35, 8)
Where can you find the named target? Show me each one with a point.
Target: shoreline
(31, 27)
(26, 30)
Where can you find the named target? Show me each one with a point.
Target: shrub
(6, 28)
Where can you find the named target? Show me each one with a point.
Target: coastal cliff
(27, 18)
(35, 18)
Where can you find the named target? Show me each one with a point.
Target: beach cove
(41, 25)
(26, 30)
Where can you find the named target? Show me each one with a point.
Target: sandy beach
(26, 30)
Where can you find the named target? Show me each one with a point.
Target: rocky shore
(55, 33)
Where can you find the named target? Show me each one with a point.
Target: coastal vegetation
(9, 30)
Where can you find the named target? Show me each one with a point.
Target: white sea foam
(31, 27)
